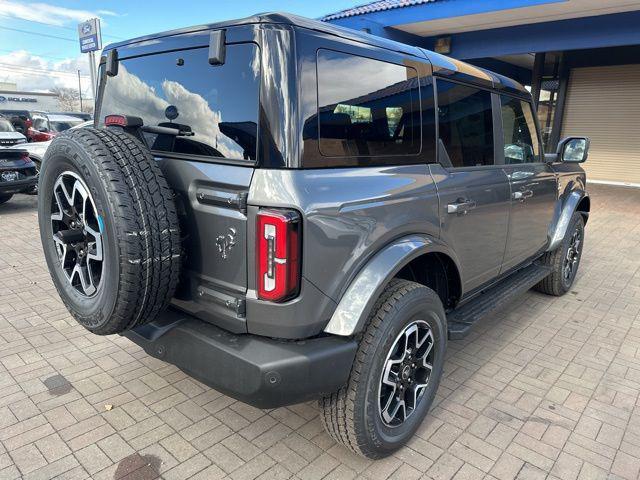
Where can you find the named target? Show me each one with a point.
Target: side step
(462, 319)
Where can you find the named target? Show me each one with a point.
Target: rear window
(366, 107)
(213, 109)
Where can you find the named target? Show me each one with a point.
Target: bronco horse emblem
(225, 243)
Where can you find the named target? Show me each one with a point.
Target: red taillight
(24, 156)
(124, 121)
(278, 254)
(119, 120)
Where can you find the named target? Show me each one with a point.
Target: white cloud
(107, 13)
(46, 13)
(33, 73)
(128, 94)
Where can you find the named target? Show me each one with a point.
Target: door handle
(461, 207)
(522, 195)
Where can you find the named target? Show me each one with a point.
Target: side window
(519, 129)
(465, 125)
(366, 107)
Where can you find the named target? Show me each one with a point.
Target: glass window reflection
(465, 124)
(366, 107)
(213, 109)
(519, 130)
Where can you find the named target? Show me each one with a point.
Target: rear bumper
(18, 186)
(260, 371)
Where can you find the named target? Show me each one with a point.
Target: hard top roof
(331, 29)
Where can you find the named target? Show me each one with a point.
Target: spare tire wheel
(109, 229)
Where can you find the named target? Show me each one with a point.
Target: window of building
(519, 131)
(465, 125)
(366, 107)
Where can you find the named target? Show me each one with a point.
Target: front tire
(5, 198)
(564, 260)
(395, 374)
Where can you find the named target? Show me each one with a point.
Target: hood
(35, 149)
(12, 136)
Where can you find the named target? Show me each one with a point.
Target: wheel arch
(576, 201)
(407, 258)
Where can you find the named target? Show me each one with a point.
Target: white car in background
(8, 134)
(60, 123)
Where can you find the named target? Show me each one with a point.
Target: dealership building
(580, 58)
(11, 99)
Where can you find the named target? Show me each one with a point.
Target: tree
(69, 100)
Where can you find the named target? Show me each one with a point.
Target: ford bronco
(287, 210)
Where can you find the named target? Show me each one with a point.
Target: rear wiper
(167, 131)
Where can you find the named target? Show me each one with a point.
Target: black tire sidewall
(419, 304)
(576, 223)
(66, 155)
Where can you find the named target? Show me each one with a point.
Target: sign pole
(92, 70)
(90, 36)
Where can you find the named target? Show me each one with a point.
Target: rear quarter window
(215, 108)
(366, 107)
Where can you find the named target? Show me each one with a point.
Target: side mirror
(573, 149)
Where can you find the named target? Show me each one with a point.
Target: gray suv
(287, 210)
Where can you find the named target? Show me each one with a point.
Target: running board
(462, 319)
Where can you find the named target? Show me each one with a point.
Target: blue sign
(89, 35)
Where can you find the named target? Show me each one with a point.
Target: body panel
(350, 213)
(479, 236)
(530, 215)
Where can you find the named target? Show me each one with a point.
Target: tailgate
(211, 202)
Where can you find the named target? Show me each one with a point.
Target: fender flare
(563, 215)
(355, 305)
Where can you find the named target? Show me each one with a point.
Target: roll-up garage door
(603, 103)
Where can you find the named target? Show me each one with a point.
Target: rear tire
(5, 198)
(564, 260)
(361, 415)
(101, 190)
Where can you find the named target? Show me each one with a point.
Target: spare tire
(109, 229)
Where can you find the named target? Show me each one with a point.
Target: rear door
(474, 192)
(533, 183)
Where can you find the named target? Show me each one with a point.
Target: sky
(39, 46)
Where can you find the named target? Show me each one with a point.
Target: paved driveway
(547, 389)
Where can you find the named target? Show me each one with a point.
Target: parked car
(8, 134)
(37, 150)
(81, 115)
(289, 210)
(60, 123)
(33, 124)
(17, 173)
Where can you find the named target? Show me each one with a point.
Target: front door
(533, 183)
(474, 192)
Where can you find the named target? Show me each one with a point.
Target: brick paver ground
(547, 389)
